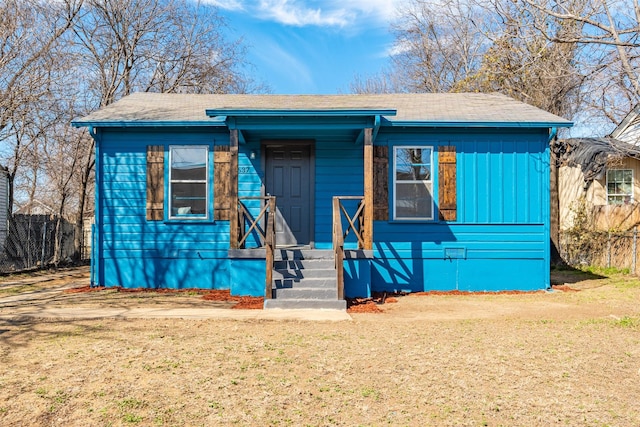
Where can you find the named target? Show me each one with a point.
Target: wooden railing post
(270, 245)
(338, 246)
(367, 224)
(233, 188)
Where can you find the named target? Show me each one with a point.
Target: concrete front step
(306, 254)
(319, 283)
(315, 304)
(305, 293)
(306, 264)
(288, 279)
(304, 278)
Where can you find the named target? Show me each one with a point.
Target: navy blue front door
(288, 177)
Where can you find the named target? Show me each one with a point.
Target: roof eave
(474, 124)
(146, 124)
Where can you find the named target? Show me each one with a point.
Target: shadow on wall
(410, 255)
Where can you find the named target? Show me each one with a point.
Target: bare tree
(61, 59)
(122, 46)
(483, 45)
(156, 45)
(383, 82)
(524, 63)
(437, 44)
(609, 34)
(29, 30)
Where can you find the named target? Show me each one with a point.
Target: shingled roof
(428, 108)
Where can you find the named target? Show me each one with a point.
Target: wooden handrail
(246, 218)
(266, 232)
(355, 224)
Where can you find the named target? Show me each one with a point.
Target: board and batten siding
(138, 252)
(500, 237)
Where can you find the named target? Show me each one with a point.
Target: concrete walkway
(38, 305)
(176, 313)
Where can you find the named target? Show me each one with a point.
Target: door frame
(311, 144)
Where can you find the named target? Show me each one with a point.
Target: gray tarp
(592, 154)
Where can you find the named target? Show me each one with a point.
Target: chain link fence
(601, 249)
(29, 242)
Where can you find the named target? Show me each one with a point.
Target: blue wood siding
(135, 252)
(339, 172)
(500, 240)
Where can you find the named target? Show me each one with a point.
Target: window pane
(188, 198)
(413, 164)
(619, 186)
(189, 163)
(414, 200)
(615, 200)
(616, 188)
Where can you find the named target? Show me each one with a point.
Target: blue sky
(312, 46)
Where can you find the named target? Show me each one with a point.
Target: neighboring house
(600, 177)
(629, 128)
(34, 207)
(454, 190)
(4, 205)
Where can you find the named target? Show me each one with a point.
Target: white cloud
(278, 59)
(296, 13)
(227, 4)
(381, 10)
(321, 13)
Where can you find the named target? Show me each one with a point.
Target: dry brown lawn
(558, 358)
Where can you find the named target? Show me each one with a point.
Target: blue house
(309, 199)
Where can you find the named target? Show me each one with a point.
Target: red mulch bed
(370, 305)
(84, 289)
(244, 303)
(474, 293)
(564, 288)
(249, 303)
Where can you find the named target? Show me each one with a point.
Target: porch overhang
(324, 112)
(300, 120)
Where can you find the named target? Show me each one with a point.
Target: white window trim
(606, 185)
(429, 181)
(192, 217)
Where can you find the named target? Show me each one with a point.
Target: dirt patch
(442, 360)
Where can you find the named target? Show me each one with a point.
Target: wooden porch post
(233, 188)
(368, 189)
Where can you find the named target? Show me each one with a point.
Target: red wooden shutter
(447, 200)
(155, 183)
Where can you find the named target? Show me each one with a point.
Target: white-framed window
(619, 186)
(188, 182)
(413, 182)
